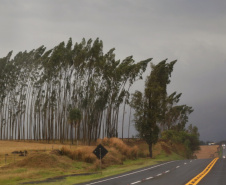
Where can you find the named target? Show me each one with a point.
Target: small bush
(78, 154)
(134, 152)
(66, 151)
(128, 152)
(188, 140)
(81, 154)
(111, 160)
(105, 142)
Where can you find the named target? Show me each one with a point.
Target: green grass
(20, 170)
(127, 166)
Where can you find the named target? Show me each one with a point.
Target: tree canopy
(39, 88)
(76, 91)
(155, 111)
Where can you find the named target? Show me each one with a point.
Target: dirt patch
(207, 151)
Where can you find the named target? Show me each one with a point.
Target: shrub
(82, 154)
(188, 140)
(66, 151)
(128, 152)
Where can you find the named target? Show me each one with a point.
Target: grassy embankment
(46, 160)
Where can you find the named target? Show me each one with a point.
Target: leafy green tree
(177, 116)
(150, 106)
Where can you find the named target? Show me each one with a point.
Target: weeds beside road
(42, 164)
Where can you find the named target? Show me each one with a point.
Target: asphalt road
(171, 173)
(168, 173)
(217, 175)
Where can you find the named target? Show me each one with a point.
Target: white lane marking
(178, 167)
(185, 163)
(149, 178)
(130, 173)
(167, 171)
(159, 174)
(136, 182)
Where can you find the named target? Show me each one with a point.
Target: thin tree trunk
(129, 123)
(150, 150)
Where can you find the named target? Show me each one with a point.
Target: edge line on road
(128, 173)
(201, 175)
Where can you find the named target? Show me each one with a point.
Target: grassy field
(44, 162)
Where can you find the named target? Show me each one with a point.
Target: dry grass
(130, 152)
(8, 147)
(37, 165)
(166, 148)
(81, 153)
(118, 151)
(42, 162)
(207, 151)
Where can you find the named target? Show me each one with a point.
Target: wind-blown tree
(74, 118)
(175, 116)
(38, 89)
(149, 107)
(6, 84)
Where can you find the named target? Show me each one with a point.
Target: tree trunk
(150, 150)
(71, 133)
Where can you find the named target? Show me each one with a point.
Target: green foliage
(175, 116)
(38, 89)
(75, 115)
(150, 106)
(190, 140)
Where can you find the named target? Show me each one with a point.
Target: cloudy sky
(190, 31)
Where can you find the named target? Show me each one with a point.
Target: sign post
(100, 152)
(100, 160)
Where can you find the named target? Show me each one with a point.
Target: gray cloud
(194, 32)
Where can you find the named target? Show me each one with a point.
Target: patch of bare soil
(207, 151)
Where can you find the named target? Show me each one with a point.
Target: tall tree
(74, 118)
(38, 89)
(150, 106)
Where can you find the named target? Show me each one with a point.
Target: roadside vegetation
(63, 163)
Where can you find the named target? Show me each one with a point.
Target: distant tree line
(39, 89)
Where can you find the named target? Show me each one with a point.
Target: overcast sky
(190, 31)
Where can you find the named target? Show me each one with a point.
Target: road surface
(168, 173)
(171, 173)
(218, 173)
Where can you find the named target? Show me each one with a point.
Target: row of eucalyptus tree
(38, 89)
